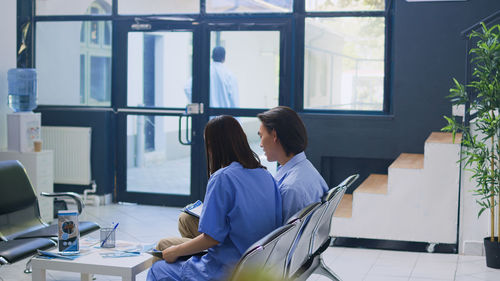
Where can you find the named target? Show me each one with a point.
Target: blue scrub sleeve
(292, 202)
(218, 202)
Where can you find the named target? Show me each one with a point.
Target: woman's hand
(170, 254)
(196, 245)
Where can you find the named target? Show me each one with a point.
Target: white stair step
(344, 210)
(408, 161)
(418, 201)
(442, 137)
(375, 183)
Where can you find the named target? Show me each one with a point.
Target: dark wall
(427, 50)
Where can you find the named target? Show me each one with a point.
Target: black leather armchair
(22, 231)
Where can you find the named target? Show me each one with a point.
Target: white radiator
(71, 146)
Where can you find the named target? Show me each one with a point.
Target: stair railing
(470, 43)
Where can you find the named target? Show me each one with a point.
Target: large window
(250, 67)
(344, 61)
(65, 7)
(344, 43)
(149, 7)
(249, 6)
(74, 57)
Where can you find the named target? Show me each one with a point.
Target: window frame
(387, 96)
(298, 15)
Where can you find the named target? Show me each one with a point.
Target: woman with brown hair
(242, 204)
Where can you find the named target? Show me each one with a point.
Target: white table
(93, 263)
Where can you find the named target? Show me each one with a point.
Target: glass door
(156, 133)
(246, 75)
(215, 68)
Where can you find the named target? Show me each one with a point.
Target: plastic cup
(108, 234)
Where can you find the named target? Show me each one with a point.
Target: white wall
(7, 60)
(472, 229)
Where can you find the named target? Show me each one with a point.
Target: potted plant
(481, 139)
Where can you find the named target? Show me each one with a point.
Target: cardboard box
(22, 129)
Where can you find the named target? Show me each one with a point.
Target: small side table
(93, 263)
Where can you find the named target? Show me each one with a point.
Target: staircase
(416, 201)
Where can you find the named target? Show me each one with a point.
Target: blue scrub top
(300, 184)
(240, 207)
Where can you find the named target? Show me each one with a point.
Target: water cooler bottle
(23, 126)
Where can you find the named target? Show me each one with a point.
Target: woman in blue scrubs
(242, 204)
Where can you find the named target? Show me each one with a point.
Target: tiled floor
(149, 223)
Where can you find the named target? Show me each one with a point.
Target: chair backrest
(269, 253)
(321, 231)
(316, 231)
(18, 203)
(300, 253)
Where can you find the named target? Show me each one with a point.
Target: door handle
(191, 109)
(187, 140)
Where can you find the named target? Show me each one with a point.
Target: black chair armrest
(78, 199)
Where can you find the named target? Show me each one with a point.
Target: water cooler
(23, 129)
(23, 126)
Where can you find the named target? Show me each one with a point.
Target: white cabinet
(40, 169)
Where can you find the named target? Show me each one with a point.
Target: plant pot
(492, 250)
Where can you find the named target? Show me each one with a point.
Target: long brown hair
(225, 142)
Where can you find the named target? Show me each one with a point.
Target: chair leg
(324, 270)
(27, 268)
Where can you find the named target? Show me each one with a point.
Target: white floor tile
(394, 263)
(466, 278)
(353, 264)
(150, 223)
(434, 270)
(385, 278)
(426, 279)
(487, 275)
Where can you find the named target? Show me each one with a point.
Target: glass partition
(79, 7)
(247, 75)
(134, 7)
(159, 68)
(249, 6)
(74, 63)
(344, 63)
(156, 161)
(344, 5)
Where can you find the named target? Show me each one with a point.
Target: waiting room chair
(315, 237)
(267, 255)
(22, 231)
(270, 254)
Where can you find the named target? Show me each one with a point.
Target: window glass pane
(344, 63)
(249, 6)
(75, 7)
(244, 73)
(136, 7)
(82, 78)
(156, 161)
(159, 69)
(345, 5)
(72, 71)
(100, 82)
